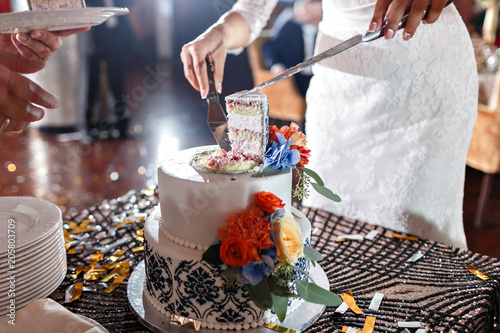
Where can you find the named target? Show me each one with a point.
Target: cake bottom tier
(179, 283)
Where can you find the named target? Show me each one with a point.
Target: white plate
(56, 20)
(30, 280)
(45, 248)
(40, 293)
(34, 219)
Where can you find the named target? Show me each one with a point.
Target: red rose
(304, 154)
(235, 252)
(272, 133)
(268, 201)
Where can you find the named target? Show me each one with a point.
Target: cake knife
(368, 36)
(217, 120)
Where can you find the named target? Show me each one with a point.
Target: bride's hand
(396, 12)
(193, 57)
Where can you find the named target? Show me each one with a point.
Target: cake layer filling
(239, 122)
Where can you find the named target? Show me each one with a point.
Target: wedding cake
(218, 238)
(55, 4)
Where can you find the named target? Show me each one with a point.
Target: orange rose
(289, 244)
(268, 201)
(235, 252)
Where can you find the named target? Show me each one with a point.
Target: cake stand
(150, 317)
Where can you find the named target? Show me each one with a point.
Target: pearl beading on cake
(180, 241)
(268, 317)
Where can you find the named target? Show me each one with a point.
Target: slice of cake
(248, 126)
(55, 4)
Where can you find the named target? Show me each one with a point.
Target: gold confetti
(348, 298)
(411, 238)
(77, 291)
(117, 255)
(138, 249)
(278, 328)
(140, 235)
(477, 273)
(186, 322)
(116, 282)
(67, 238)
(78, 270)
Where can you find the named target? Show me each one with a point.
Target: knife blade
(367, 36)
(217, 120)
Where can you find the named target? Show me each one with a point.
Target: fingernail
(219, 88)
(406, 36)
(36, 34)
(389, 34)
(203, 94)
(35, 112)
(45, 96)
(22, 37)
(373, 26)
(425, 22)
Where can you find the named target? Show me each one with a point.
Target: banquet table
(437, 289)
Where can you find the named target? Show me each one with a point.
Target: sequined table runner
(421, 281)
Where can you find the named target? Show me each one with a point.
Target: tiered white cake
(194, 204)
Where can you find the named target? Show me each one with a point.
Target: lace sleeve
(256, 13)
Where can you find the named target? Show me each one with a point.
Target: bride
(388, 122)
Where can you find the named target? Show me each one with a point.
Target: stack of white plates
(32, 253)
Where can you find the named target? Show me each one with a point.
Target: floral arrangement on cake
(260, 248)
(287, 150)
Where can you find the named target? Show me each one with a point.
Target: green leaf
(313, 175)
(261, 294)
(231, 273)
(277, 288)
(326, 192)
(269, 171)
(280, 304)
(212, 255)
(315, 294)
(312, 254)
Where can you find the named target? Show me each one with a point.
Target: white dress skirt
(389, 122)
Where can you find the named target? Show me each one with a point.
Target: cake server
(368, 36)
(217, 120)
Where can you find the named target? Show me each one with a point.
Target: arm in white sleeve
(256, 13)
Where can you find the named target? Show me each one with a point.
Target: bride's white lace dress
(389, 122)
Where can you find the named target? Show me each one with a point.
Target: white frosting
(195, 203)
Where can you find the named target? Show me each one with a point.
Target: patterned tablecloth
(437, 289)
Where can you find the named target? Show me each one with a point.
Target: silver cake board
(302, 318)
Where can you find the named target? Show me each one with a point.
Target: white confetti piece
(371, 235)
(342, 308)
(411, 324)
(422, 330)
(416, 256)
(350, 237)
(376, 300)
(351, 330)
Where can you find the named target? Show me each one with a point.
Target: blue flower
(255, 272)
(280, 156)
